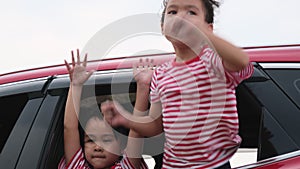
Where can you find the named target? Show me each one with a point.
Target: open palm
(143, 71)
(77, 70)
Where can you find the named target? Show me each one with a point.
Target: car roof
(286, 53)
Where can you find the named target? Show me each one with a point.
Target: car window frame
(18, 136)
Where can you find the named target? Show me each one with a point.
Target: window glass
(54, 148)
(289, 81)
(123, 93)
(249, 111)
(274, 139)
(279, 126)
(11, 108)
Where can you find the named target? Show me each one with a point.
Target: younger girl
(101, 148)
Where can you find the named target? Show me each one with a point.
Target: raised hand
(143, 71)
(77, 70)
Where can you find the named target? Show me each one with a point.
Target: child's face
(101, 147)
(180, 18)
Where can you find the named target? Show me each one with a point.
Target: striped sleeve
(214, 63)
(78, 161)
(238, 77)
(62, 163)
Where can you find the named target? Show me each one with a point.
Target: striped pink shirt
(79, 162)
(199, 110)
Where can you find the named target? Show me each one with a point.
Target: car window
(275, 139)
(11, 106)
(54, 149)
(268, 126)
(289, 81)
(103, 86)
(122, 88)
(41, 140)
(123, 93)
(279, 126)
(17, 114)
(249, 112)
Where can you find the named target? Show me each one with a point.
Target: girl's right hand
(114, 114)
(143, 71)
(77, 70)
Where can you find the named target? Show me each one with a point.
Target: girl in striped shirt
(193, 97)
(101, 147)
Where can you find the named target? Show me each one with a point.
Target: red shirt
(79, 162)
(199, 110)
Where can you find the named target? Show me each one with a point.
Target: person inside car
(101, 146)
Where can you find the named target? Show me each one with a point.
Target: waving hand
(77, 70)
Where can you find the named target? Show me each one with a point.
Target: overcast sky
(38, 32)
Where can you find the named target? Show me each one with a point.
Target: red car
(32, 106)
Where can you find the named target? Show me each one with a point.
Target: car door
(44, 144)
(269, 113)
(20, 103)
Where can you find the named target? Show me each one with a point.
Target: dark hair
(209, 6)
(86, 114)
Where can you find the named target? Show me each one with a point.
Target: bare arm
(78, 76)
(135, 142)
(149, 125)
(177, 29)
(71, 133)
(143, 75)
(116, 115)
(234, 58)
